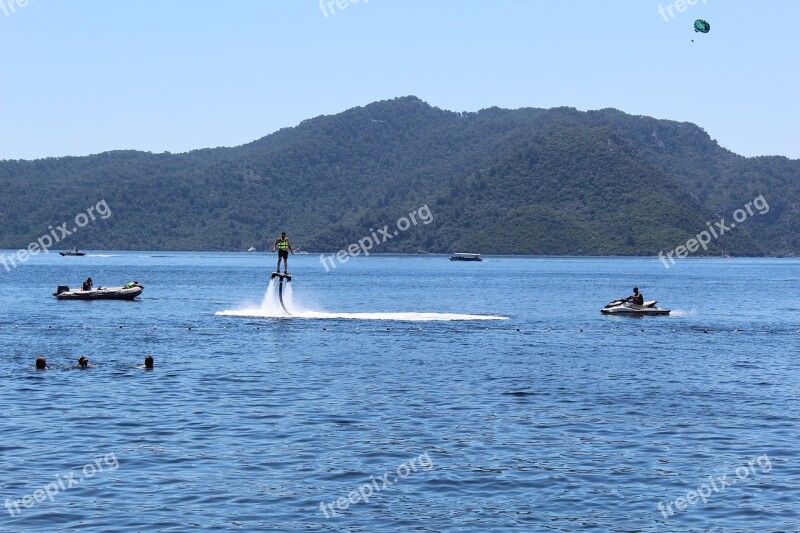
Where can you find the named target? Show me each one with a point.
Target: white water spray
(266, 303)
(271, 308)
(288, 297)
(271, 304)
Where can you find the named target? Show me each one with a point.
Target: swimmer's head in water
(148, 361)
(83, 361)
(41, 363)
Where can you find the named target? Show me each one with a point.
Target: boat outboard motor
(60, 289)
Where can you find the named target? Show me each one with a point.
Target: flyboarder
(283, 252)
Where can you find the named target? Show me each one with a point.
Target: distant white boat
(252, 249)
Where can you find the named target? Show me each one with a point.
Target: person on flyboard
(283, 252)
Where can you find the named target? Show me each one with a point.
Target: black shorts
(283, 254)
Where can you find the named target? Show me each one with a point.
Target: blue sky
(87, 76)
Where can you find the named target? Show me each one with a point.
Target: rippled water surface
(520, 405)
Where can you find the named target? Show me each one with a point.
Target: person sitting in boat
(637, 298)
(87, 285)
(131, 285)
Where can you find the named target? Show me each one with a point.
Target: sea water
(490, 396)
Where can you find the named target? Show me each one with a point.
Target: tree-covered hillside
(555, 181)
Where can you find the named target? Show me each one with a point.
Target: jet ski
(101, 293)
(623, 307)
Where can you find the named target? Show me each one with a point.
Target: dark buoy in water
(41, 363)
(281, 277)
(148, 361)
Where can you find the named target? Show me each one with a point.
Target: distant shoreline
(91, 252)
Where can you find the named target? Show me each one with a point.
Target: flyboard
(282, 277)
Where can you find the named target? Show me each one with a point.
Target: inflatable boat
(101, 293)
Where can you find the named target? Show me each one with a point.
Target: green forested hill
(538, 181)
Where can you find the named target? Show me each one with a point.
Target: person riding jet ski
(636, 298)
(634, 305)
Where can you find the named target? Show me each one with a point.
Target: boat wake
(271, 308)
